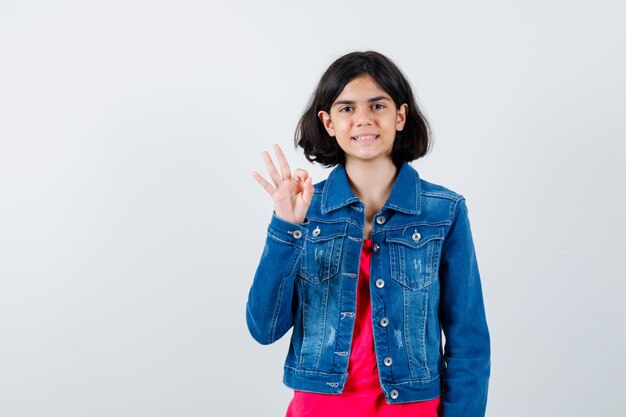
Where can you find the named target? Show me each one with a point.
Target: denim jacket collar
(404, 197)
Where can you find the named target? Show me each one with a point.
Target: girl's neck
(371, 181)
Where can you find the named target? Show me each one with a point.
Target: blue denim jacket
(424, 280)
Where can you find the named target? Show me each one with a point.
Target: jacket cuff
(287, 232)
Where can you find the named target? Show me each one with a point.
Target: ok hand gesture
(291, 194)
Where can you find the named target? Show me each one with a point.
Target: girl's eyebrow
(371, 100)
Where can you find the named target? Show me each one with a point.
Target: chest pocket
(414, 255)
(322, 251)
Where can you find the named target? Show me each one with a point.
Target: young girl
(370, 265)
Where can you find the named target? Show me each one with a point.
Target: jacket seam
(449, 196)
(280, 298)
(453, 213)
(419, 380)
(278, 239)
(319, 350)
(423, 334)
(407, 338)
(308, 371)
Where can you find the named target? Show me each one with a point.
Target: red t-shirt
(362, 395)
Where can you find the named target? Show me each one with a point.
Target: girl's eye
(378, 106)
(345, 109)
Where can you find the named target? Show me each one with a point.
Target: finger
(300, 174)
(266, 185)
(282, 161)
(307, 193)
(271, 169)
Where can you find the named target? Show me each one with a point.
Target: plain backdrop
(130, 226)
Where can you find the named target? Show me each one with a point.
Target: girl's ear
(328, 124)
(401, 117)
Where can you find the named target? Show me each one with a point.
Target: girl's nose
(363, 117)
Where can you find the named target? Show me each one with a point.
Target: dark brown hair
(411, 143)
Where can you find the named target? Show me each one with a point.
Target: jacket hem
(408, 392)
(314, 381)
(333, 383)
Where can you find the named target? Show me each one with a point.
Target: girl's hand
(291, 194)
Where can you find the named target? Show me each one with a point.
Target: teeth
(372, 137)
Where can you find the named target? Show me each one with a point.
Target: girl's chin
(368, 157)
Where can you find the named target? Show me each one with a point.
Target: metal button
(416, 236)
(376, 247)
(393, 394)
(388, 361)
(317, 231)
(380, 219)
(384, 321)
(297, 234)
(380, 283)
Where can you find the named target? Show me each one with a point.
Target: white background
(130, 227)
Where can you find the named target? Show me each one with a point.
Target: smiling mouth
(365, 138)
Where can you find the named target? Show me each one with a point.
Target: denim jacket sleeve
(466, 372)
(269, 312)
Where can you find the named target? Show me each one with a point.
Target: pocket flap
(414, 236)
(319, 232)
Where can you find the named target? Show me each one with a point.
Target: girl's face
(364, 120)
